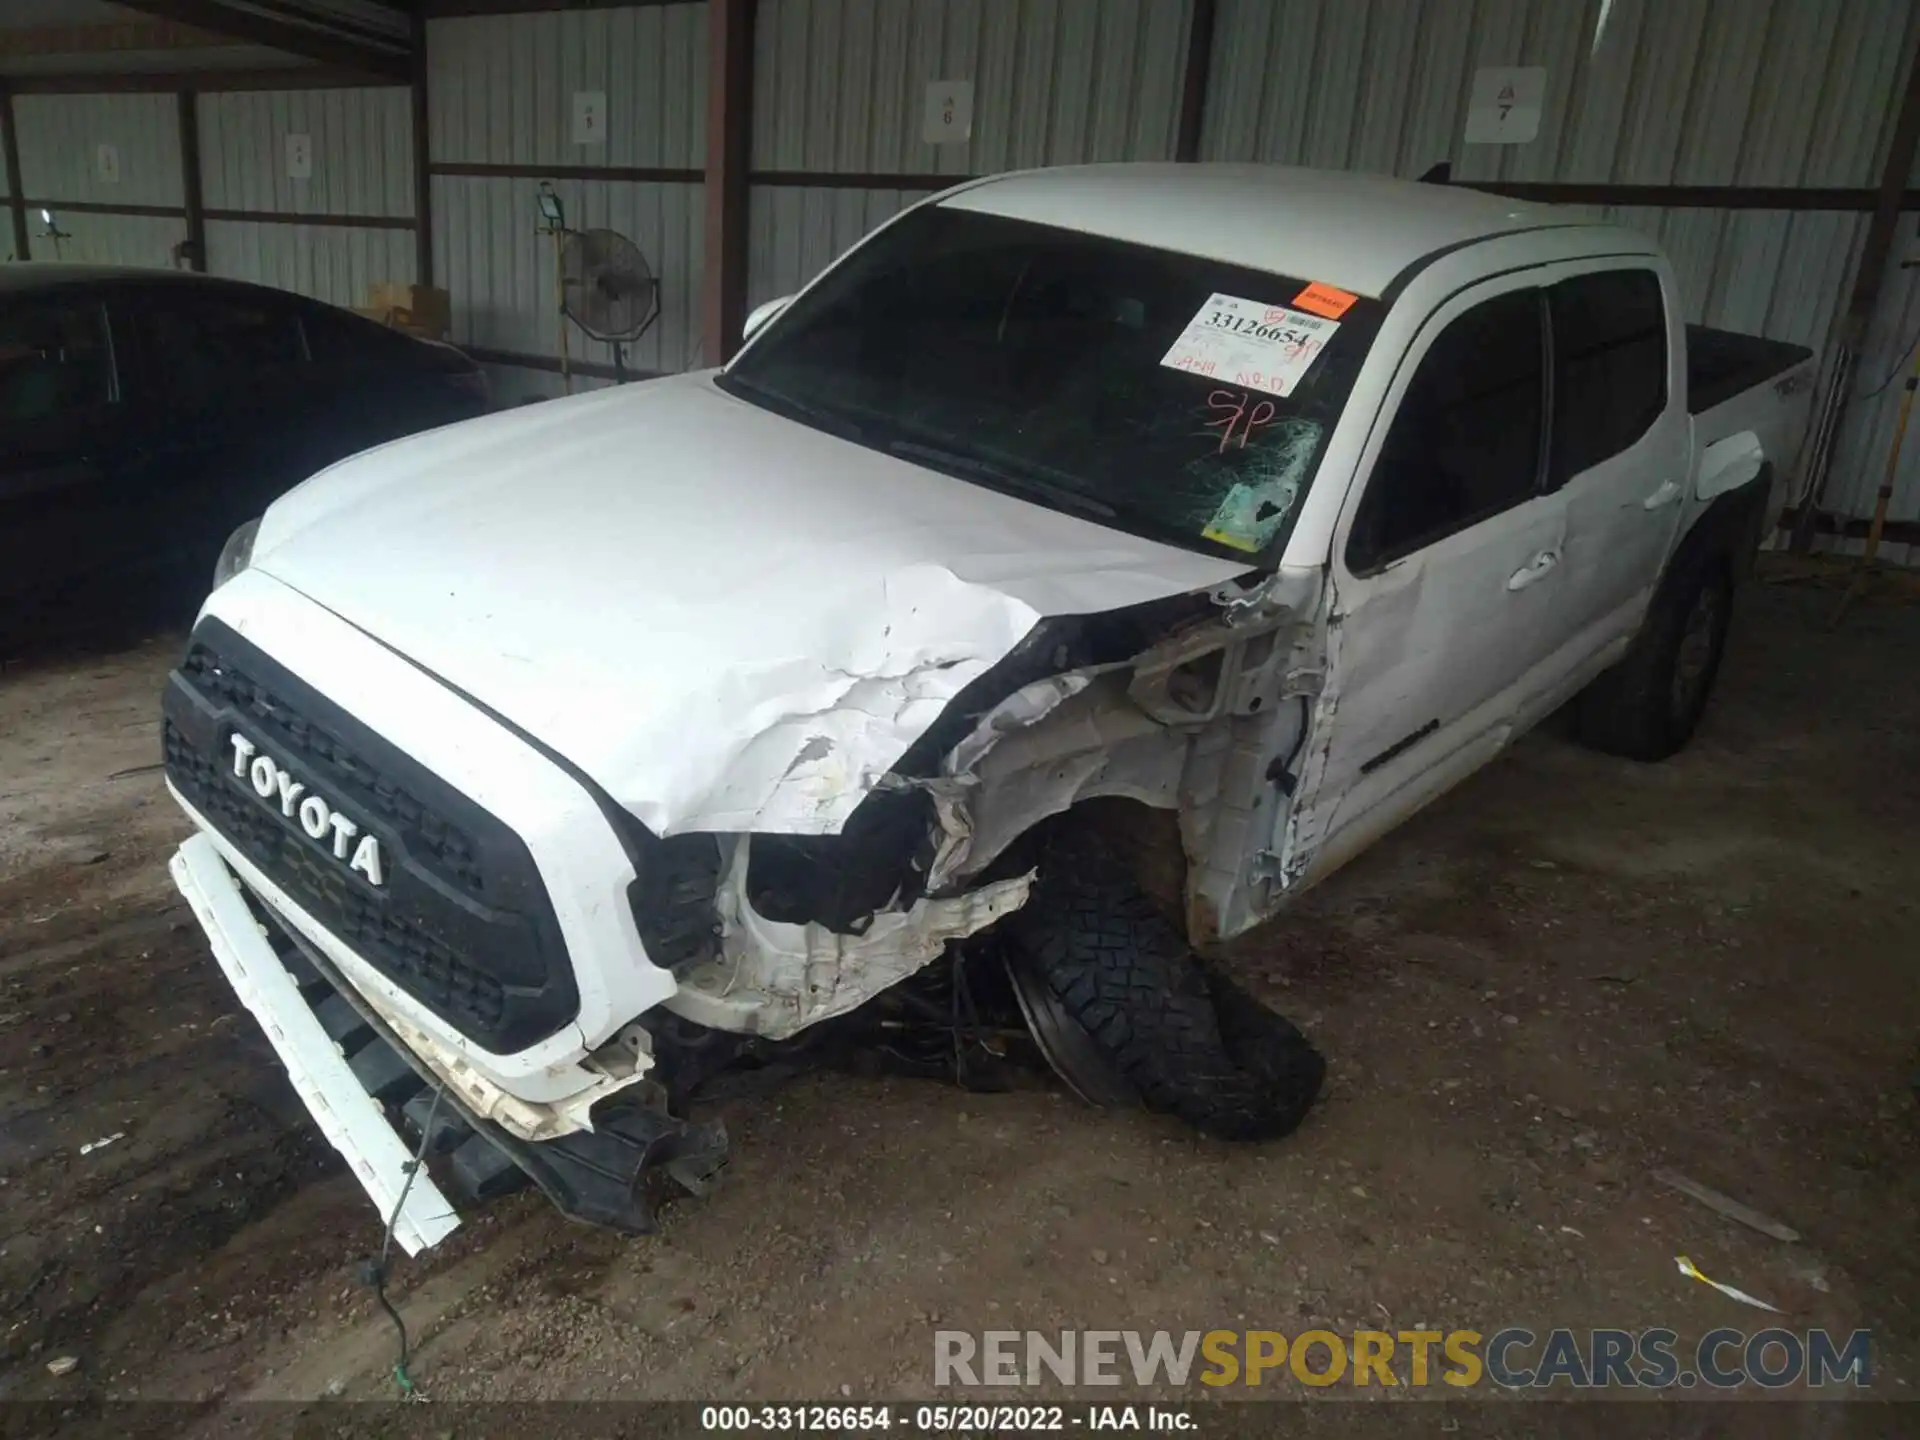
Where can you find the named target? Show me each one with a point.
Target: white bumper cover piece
(349, 1117)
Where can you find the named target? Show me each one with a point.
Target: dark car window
(1169, 395)
(1609, 365)
(1465, 442)
(207, 348)
(55, 361)
(341, 339)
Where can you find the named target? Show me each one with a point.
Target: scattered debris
(1727, 1206)
(63, 1365)
(1606, 979)
(1692, 1272)
(102, 1142)
(1569, 1230)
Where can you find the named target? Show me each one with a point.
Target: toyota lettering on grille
(273, 783)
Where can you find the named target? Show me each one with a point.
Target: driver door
(1446, 571)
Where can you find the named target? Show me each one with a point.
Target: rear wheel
(1130, 1011)
(1648, 706)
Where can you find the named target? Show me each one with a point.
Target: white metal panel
(500, 273)
(795, 232)
(840, 84)
(501, 87)
(60, 139)
(108, 239)
(362, 151)
(333, 263)
(1704, 92)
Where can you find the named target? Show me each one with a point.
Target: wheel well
(1729, 529)
(1143, 838)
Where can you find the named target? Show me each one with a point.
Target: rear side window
(1465, 442)
(340, 339)
(55, 361)
(1609, 366)
(208, 348)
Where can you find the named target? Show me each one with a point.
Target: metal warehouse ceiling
(44, 38)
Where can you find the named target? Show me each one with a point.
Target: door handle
(1535, 569)
(1665, 495)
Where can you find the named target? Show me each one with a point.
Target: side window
(209, 348)
(1609, 365)
(348, 340)
(1465, 442)
(55, 361)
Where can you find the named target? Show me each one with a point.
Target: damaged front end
(1174, 728)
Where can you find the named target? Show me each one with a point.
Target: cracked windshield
(1167, 395)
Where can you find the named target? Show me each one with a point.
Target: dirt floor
(1567, 974)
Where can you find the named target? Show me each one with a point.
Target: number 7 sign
(1505, 105)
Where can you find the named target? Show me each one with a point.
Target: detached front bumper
(374, 1100)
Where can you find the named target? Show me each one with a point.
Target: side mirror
(761, 314)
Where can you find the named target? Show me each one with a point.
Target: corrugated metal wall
(794, 233)
(60, 161)
(362, 148)
(60, 140)
(107, 239)
(500, 272)
(337, 264)
(361, 143)
(1683, 92)
(501, 95)
(840, 85)
(501, 87)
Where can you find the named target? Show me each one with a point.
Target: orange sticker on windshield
(1318, 299)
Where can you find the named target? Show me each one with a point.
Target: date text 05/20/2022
(945, 1419)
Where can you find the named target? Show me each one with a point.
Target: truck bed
(1722, 363)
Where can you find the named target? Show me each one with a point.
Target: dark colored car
(146, 413)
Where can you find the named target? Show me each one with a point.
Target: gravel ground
(1565, 975)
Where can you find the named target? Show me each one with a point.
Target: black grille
(439, 843)
(462, 921)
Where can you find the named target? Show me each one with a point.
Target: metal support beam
(723, 285)
(1193, 84)
(108, 39)
(190, 181)
(422, 159)
(204, 82)
(310, 42)
(10, 145)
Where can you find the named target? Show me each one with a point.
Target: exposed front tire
(1187, 1041)
(1648, 706)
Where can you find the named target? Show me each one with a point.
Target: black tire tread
(1193, 1044)
(1625, 710)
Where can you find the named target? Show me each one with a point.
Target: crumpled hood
(728, 620)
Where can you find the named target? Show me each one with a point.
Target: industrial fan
(604, 284)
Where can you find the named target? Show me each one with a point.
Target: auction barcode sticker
(1248, 342)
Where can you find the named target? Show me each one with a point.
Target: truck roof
(1358, 232)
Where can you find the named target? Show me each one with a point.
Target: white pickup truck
(1078, 570)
